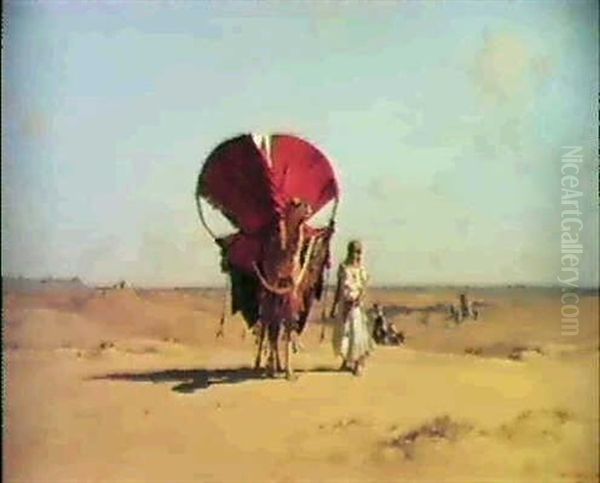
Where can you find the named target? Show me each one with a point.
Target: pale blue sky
(445, 121)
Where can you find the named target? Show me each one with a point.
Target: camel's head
(298, 211)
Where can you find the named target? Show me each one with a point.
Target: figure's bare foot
(359, 367)
(291, 376)
(344, 366)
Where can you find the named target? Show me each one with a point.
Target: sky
(446, 122)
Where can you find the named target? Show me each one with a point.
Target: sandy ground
(126, 385)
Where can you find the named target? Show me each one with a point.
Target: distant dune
(23, 284)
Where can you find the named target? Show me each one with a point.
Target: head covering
(355, 246)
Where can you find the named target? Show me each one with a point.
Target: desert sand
(131, 385)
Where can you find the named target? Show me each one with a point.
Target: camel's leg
(261, 341)
(276, 349)
(289, 371)
(273, 360)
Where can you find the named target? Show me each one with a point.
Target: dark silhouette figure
(384, 332)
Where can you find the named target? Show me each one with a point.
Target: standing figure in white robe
(351, 337)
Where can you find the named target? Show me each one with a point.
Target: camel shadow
(190, 380)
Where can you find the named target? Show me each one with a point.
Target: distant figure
(473, 311)
(464, 309)
(384, 332)
(379, 324)
(455, 313)
(395, 337)
(464, 305)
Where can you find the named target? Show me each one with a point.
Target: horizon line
(382, 286)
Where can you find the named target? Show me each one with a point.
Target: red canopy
(251, 186)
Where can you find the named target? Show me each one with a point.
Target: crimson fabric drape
(251, 186)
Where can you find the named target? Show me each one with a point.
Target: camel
(290, 275)
(268, 187)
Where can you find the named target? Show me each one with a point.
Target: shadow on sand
(190, 380)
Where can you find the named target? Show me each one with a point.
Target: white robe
(351, 336)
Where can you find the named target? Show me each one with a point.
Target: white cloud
(507, 69)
